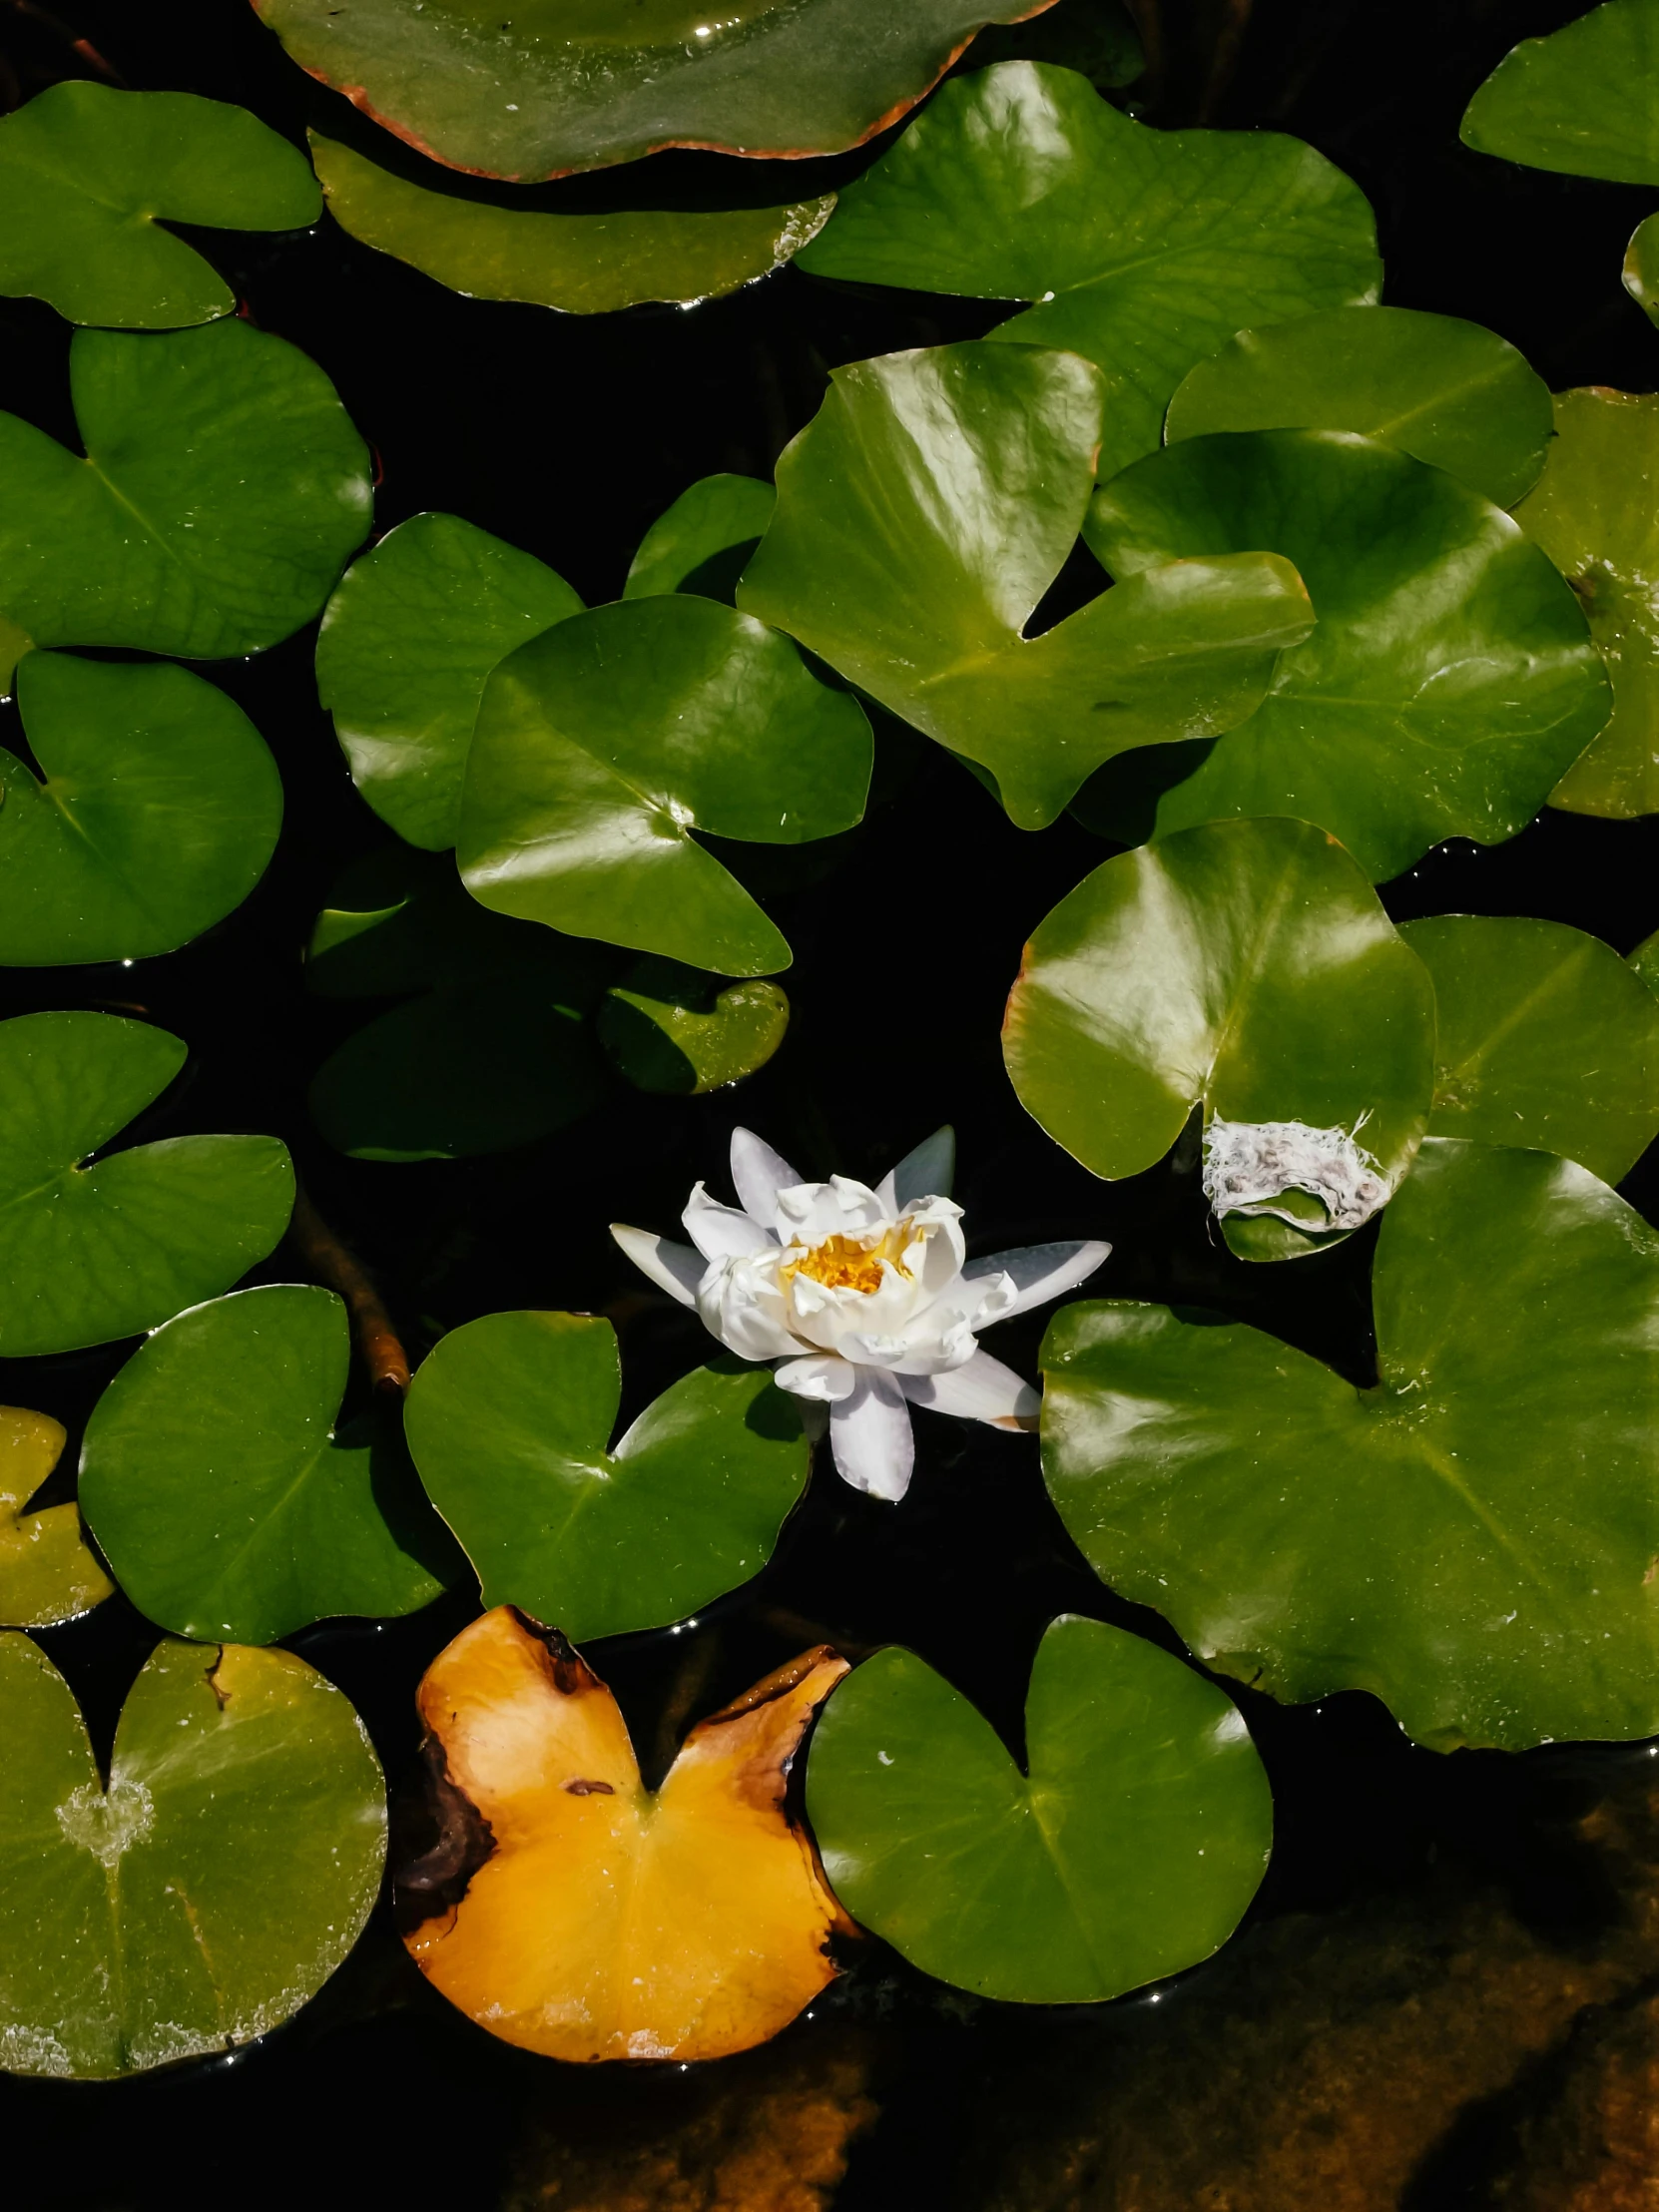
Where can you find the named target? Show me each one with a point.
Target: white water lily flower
(863, 1298)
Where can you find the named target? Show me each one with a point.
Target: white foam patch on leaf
(1249, 1165)
(106, 1822)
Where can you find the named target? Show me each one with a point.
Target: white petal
(807, 1212)
(828, 1381)
(721, 1232)
(759, 1173)
(982, 1389)
(928, 1172)
(674, 1268)
(739, 1302)
(1040, 1272)
(869, 1435)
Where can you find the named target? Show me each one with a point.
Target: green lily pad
(603, 743)
(669, 1028)
(1449, 682)
(564, 84)
(48, 1570)
(92, 1254)
(1583, 101)
(204, 1895)
(921, 519)
(1596, 514)
(232, 449)
(224, 1497)
(493, 1050)
(703, 542)
(406, 646)
(1127, 1851)
(158, 811)
(1644, 961)
(1472, 1538)
(509, 1419)
(1097, 38)
(1145, 250)
(84, 171)
(1449, 392)
(1546, 1040)
(1247, 968)
(582, 264)
(1641, 267)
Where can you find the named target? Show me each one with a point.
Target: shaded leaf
(209, 1891)
(1127, 1851)
(1546, 1040)
(921, 519)
(1641, 267)
(48, 1570)
(92, 1254)
(1472, 1539)
(1450, 681)
(509, 1419)
(84, 171)
(1097, 38)
(703, 541)
(608, 1921)
(1584, 100)
(668, 1028)
(1145, 250)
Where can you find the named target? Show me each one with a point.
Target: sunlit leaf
(921, 519)
(1546, 1040)
(1450, 681)
(568, 1909)
(91, 1253)
(204, 1895)
(510, 1420)
(1448, 391)
(1126, 1850)
(703, 541)
(1585, 100)
(1144, 250)
(48, 1570)
(669, 1028)
(1641, 267)
(1472, 1538)
(158, 812)
(1644, 961)
(1596, 514)
(222, 1493)
(563, 85)
(1247, 968)
(250, 482)
(602, 744)
(84, 171)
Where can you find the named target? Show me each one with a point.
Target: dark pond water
(1436, 1933)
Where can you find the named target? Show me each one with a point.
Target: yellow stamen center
(853, 1263)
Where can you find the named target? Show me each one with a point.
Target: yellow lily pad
(48, 1570)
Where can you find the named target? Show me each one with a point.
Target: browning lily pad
(1584, 100)
(86, 171)
(702, 542)
(602, 1920)
(1124, 1849)
(670, 1029)
(1471, 1538)
(48, 1570)
(509, 1419)
(921, 519)
(92, 1254)
(202, 1894)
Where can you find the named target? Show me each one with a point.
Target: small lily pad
(920, 520)
(1450, 392)
(207, 1891)
(1127, 1850)
(92, 1254)
(1471, 1538)
(509, 1419)
(1450, 679)
(1596, 514)
(1247, 967)
(159, 809)
(1145, 250)
(1583, 101)
(48, 1570)
(603, 743)
(1641, 267)
(86, 171)
(703, 542)
(1546, 1040)
(235, 450)
(582, 264)
(669, 1028)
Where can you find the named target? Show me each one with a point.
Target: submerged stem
(372, 1327)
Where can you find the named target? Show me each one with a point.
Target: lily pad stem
(376, 1338)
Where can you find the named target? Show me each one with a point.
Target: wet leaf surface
(671, 1030)
(509, 1419)
(702, 542)
(1472, 1539)
(48, 1570)
(1641, 267)
(1584, 100)
(608, 1921)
